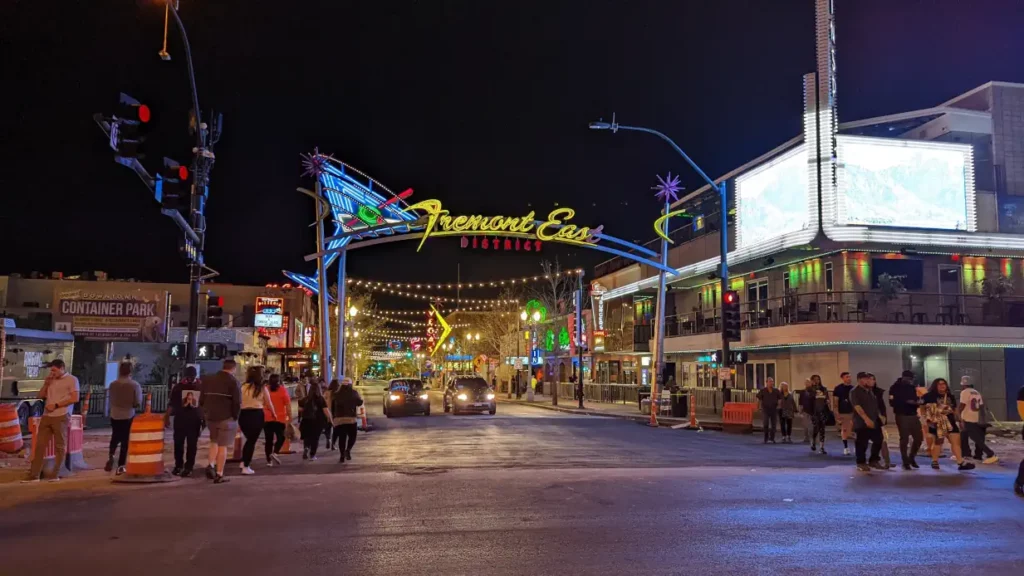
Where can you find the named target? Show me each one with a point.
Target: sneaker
(913, 464)
(305, 454)
(814, 447)
(313, 458)
(220, 480)
(863, 467)
(935, 465)
(1018, 489)
(247, 471)
(822, 451)
(965, 466)
(846, 451)
(175, 472)
(990, 460)
(276, 459)
(30, 481)
(211, 472)
(908, 467)
(109, 465)
(120, 471)
(765, 441)
(348, 454)
(54, 479)
(878, 466)
(186, 472)
(772, 441)
(342, 459)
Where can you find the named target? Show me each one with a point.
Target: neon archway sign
(366, 213)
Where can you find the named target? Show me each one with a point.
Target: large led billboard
(903, 183)
(771, 200)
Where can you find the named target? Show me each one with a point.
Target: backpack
(310, 410)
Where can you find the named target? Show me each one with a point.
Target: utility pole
(579, 338)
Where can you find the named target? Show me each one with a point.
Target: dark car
(469, 394)
(406, 396)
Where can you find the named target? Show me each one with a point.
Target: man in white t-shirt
(60, 391)
(971, 412)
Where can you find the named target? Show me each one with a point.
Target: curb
(663, 421)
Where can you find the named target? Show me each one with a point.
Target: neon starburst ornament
(315, 164)
(668, 188)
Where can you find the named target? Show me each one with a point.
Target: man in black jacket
(904, 401)
(344, 404)
(184, 407)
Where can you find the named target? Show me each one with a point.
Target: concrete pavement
(532, 491)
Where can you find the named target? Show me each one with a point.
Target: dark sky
(482, 104)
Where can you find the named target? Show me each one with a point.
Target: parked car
(406, 396)
(469, 394)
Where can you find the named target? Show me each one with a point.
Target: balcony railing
(865, 306)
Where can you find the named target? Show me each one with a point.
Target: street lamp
(724, 247)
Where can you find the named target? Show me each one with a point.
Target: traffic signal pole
(724, 272)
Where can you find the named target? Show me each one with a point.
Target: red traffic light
(730, 297)
(182, 173)
(143, 113)
(216, 301)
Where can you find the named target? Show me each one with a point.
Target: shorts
(954, 428)
(222, 433)
(845, 422)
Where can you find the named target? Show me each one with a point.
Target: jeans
(818, 433)
(768, 420)
(345, 434)
(864, 435)
(251, 422)
(55, 428)
(808, 423)
(311, 429)
(909, 426)
(974, 431)
(273, 437)
(186, 432)
(119, 432)
(786, 424)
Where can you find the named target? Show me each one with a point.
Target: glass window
(785, 281)
(828, 276)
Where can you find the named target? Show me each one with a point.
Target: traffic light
(215, 311)
(126, 134)
(731, 316)
(172, 190)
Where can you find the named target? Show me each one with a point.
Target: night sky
(482, 104)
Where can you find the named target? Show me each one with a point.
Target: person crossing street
(221, 401)
(867, 424)
(125, 397)
(972, 414)
(905, 402)
(184, 407)
(344, 405)
(843, 410)
(770, 399)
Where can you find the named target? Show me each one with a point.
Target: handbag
(830, 417)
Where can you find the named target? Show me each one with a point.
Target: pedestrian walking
(1018, 484)
(328, 426)
(905, 403)
(344, 404)
(184, 407)
(275, 421)
(125, 396)
(973, 417)
(59, 391)
(880, 396)
(787, 410)
(221, 401)
(843, 410)
(867, 424)
(806, 402)
(940, 414)
(255, 401)
(314, 414)
(770, 399)
(821, 413)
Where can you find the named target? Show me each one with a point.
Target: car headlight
(462, 397)
(394, 396)
(424, 397)
(490, 396)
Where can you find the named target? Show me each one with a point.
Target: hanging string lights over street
(409, 322)
(479, 302)
(463, 285)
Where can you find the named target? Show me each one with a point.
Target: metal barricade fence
(98, 401)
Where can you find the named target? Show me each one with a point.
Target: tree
(365, 322)
(497, 324)
(163, 367)
(556, 292)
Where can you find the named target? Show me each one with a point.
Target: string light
(434, 298)
(463, 285)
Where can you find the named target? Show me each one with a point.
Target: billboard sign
(269, 312)
(116, 315)
(905, 184)
(772, 199)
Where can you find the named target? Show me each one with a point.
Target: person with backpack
(314, 415)
(184, 406)
(344, 403)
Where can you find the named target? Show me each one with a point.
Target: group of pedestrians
(328, 411)
(860, 411)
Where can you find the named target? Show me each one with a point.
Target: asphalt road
(531, 491)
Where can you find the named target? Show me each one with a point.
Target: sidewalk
(621, 411)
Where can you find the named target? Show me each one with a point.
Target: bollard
(149, 403)
(146, 450)
(85, 409)
(10, 429)
(286, 448)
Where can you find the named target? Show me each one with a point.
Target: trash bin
(645, 406)
(679, 404)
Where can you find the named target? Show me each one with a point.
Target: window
(785, 281)
(828, 276)
(755, 374)
(757, 291)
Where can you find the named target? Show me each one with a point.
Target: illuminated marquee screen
(907, 184)
(771, 200)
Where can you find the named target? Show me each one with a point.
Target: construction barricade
(738, 417)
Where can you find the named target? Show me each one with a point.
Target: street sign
(724, 373)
